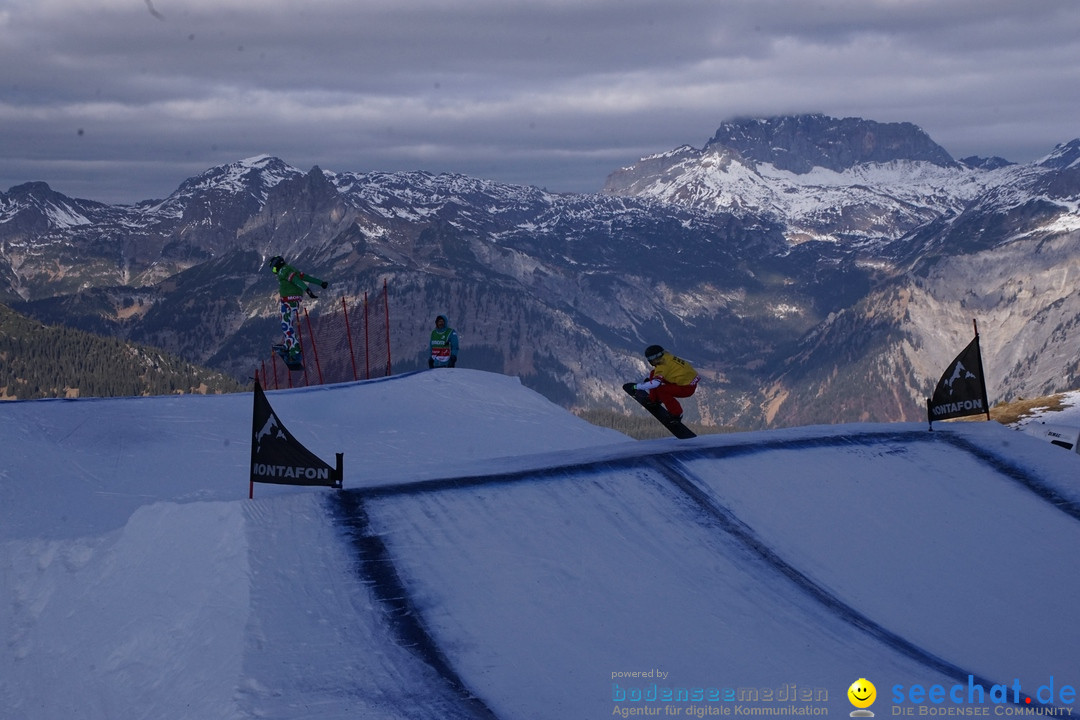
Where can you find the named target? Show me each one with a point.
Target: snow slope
(494, 556)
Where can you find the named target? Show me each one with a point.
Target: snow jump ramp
(780, 569)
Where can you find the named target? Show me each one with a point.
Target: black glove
(312, 295)
(325, 284)
(430, 364)
(453, 360)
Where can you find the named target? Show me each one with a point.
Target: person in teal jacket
(444, 344)
(292, 286)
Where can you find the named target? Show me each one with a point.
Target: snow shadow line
(591, 466)
(1009, 469)
(377, 571)
(697, 451)
(1016, 473)
(1002, 465)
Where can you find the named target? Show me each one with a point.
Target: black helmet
(653, 353)
(276, 262)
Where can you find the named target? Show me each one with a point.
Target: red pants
(667, 393)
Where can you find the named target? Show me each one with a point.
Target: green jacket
(292, 283)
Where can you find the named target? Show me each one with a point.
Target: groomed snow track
(682, 559)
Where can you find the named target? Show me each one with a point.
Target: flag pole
(982, 373)
(254, 429)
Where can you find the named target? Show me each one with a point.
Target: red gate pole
(273, 364)
(348, 334)
(386, 306)
(299, 339)
(367, 339)
(314, 350)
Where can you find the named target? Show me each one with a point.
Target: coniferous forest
(40, 361)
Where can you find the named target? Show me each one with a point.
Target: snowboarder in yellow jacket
(671, 378)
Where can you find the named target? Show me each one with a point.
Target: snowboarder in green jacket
(292, 285)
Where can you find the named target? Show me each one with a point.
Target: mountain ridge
(740, 265)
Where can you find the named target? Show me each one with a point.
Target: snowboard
(294, 364)
(675, 427)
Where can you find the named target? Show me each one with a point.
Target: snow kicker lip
(1005, 467)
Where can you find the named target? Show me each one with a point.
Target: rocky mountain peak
(1066, 155)
(976, 162)
(252, 176)
(34, 206)
(895, 178)
(799, 143)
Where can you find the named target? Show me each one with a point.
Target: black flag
(277, 457)
(961, 390)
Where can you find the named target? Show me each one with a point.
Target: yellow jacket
(673, 370)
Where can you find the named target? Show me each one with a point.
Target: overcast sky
(122, 100)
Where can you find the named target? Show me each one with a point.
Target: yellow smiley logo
(862, 693)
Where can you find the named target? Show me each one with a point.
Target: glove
(312, 295)
(325, 284)
(453, 360)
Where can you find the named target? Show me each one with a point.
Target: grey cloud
(556, 93)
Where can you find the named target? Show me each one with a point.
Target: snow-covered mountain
(847, 181)
(790, 259)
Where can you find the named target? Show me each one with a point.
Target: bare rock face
(802, 142)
